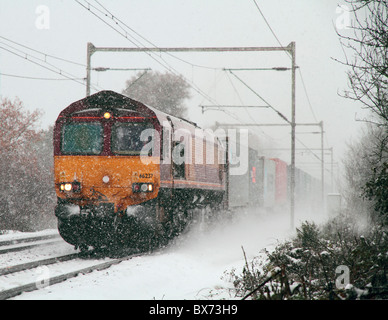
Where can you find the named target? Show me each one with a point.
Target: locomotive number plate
(146, 175)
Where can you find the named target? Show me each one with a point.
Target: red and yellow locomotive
(128, 173)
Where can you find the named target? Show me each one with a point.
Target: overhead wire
(246, 109)
(139, 44)
(59, 71)
(289, 55)
(39, 61)
(299, 69)
(38, 78)
(89, 6)
(126, 34)
(258, 95)
(268, 25)
(43, 53)
(119, 21)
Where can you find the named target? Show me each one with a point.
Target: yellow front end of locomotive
(93, 180)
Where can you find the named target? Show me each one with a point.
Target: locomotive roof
(108, 100)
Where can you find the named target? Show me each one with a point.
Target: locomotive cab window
(82, 138)
(130, 138)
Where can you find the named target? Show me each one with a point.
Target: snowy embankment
(192, 267)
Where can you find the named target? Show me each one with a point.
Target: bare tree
(362, 156)
(367, 164)
(368, 74)
(164, 91)
(27, 196)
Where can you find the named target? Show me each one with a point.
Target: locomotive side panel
(192, 173)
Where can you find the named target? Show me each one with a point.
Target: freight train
(129, 174)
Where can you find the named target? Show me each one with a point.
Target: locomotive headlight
(107, 115)
(144, 187)
(74, 186)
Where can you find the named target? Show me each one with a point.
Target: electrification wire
(123, 33)
(37, 78)
(34, 57)
(41, 63)
(309, 102)
(43, 53)
(123, 23)
(164, 64)
(139, 44)
(289, 55)
(26, 57)
(246, 109)
(312, 152)
(119, 21)
(265, 101)
(269, 26)
(219, 108)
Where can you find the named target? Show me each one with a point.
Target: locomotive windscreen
(82, 138)
(130, 138)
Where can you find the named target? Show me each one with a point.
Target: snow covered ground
(192, 267)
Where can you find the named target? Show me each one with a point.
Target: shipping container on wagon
(246, 184)
(238, 183)
(280, 182)
(269, 183)
(255, 183)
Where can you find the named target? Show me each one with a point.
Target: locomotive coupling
(67, 210)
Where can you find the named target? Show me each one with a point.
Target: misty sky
(62, 28)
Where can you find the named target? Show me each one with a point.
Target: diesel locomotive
(128, 173)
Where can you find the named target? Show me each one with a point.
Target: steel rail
(27, 239)
(11, 248)
(10, 293)
(38, 263)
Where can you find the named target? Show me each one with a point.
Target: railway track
(14, 245)
(28, 239)
(38, 274)
(15, 280)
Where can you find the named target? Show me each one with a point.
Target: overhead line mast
(91, 49)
